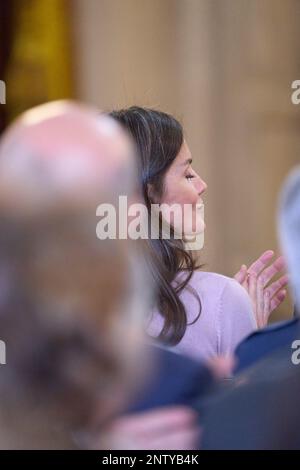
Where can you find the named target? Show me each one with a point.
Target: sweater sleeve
(235, 317)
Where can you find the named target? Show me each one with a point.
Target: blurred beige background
(225, 68)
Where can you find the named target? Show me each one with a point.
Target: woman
(200, 314)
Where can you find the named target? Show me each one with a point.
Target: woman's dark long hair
(159, 138)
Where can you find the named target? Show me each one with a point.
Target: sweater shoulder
(214, 281)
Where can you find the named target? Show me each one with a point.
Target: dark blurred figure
(264, 342)
(259, 409)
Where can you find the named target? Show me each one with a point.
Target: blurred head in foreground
(70, 305)
(289, 229)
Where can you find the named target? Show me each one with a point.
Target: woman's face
(183, 186)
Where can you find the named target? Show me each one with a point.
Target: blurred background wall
(223, 67)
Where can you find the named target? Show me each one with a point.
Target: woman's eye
(189, 177)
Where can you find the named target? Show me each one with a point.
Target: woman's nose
(201, 185)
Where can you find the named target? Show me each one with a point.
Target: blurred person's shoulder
(265, 341)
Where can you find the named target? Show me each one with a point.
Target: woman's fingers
(252, 283)
(265, 300)
(267, 306)
(278, 299)
(241, 275)
(278, 285)
(256, 278)
(272, 270)
(260, 309)
(261, 262)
